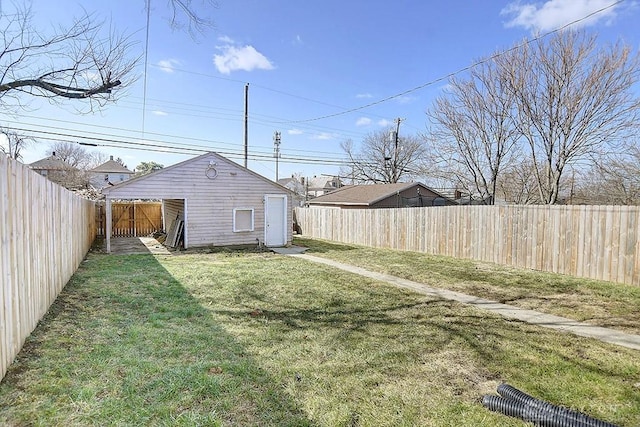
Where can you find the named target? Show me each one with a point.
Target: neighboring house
(50, 165)
(374, 196)
(297, 187)
(216, 201)
(55, 169)
(109, 173)
(318, 186)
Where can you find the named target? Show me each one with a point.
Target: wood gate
(130, 219)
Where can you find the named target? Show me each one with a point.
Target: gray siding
(209, 203)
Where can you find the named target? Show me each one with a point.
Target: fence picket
(45, 232)
(599, 242)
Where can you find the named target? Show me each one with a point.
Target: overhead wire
(151, 145)
(157, 134)
(183, 148)
(461, 70)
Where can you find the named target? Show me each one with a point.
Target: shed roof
(365, 195)
(186, 163)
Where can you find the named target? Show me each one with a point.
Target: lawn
(244, 339)
(607, 304)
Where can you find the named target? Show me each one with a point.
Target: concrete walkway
(509, 311)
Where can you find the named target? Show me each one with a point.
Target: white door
(275, 220)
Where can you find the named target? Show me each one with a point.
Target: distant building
(52, 167)
(318, 186)
(109, 173)
(306, 189)
(375, 196)
(58, 171)
(297, 187)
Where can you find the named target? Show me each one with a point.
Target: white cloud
(159, 113)
(384, 123)
(364, 95)
(322, 136)
(295, 132)
(298, 40)
(554, 14)
(168, 65)
(234, 58)
(363, 121)
(226, 40)
(404, 99)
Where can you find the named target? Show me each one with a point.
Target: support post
(107, 221)
(246, 125)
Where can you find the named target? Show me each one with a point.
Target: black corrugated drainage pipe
(516, 403)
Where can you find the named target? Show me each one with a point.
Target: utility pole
(395, 176)
(276, 150)
(246, 124)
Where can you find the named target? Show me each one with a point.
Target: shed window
(242, 219)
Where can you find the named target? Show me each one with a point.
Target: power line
(236, 116)
(193, 149)
(461, 70)
(180, 137)
(262, 87)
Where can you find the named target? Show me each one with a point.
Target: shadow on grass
(445, 323)
(126, 343)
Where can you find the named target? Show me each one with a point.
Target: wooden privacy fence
(599, 242)
(45, 232)
(130, 219)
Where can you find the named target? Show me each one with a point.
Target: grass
(600, 303)
(243, 339)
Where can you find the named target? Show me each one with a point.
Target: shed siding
(210, 202)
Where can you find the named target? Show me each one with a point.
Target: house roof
(134, 180)
(286, 181)
(322, 182)
(50, 163)
(111, 166)
(364, 195)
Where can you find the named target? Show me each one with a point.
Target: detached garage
(212, 201)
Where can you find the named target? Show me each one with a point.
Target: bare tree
(572, 100)
(473, 133)
(77, 156)
(84, 61)
(517, 184)
(79, 161)
(382, 159)
(182, 10)
(550, 104)
(12, 143)
(612, 180)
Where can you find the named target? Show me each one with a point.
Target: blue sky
(312, 68)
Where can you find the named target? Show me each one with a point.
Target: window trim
(235, 213)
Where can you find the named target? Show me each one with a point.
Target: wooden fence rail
(599, 242)
(45, 232)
